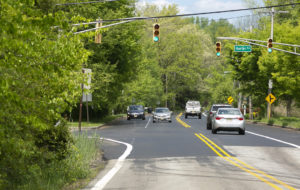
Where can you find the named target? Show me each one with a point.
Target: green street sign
(242, 49)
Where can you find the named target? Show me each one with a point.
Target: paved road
(184, 155)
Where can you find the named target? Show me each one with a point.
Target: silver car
(228, 119)
(162, 114)
(214, 108)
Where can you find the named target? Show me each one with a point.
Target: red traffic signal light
(218, 48)
(156, 32)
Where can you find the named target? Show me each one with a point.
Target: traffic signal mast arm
(106, 26)
(248, 41)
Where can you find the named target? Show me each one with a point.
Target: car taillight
(219, 118)
(241, 119)
(210, 113)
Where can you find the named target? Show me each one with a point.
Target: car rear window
(162, 110)
(136, 108)
(229, 112)
(194, 103)
(215, 108)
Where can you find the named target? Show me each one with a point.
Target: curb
(93, 128)
(279, 126)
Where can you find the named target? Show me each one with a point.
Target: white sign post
(87, 97)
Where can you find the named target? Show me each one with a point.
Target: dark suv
(135, 112)
(214, 108)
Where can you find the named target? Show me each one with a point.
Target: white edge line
(291, 144)
(102, 182)
(148, 123)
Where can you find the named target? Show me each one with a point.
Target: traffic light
(218, 48)
(270, 45)
(156, 32)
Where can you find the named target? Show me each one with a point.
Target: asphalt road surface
(184, 155)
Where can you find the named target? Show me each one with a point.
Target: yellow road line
(225, 153)
(181, 122)
(263, 173)
(239, 166)
(227, 157)
(247, 165)
(209, 146)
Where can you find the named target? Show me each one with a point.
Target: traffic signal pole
(271, 37)
(270, 80)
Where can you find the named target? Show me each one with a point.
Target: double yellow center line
(181, 122)
(236, 162)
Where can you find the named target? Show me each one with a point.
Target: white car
(192, 108)
(162, 114)
(228, 119)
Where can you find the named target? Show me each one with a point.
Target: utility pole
(98, 35)
(272, 36)
(166, 90)
(80, 107)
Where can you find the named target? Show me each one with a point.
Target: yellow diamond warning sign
(230, 99)
(270, 98)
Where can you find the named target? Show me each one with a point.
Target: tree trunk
(288, 107)
(250, 108)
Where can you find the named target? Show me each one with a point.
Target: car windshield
(162, 110)
(229, 112)
(193, 103)
(136, 108)
(215, 108)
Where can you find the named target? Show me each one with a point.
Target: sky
(196, 6)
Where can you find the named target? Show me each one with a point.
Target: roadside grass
(292, 122)
(95, 122)
(72, 172)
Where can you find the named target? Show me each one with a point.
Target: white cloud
(161, 3)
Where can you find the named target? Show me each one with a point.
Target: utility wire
(203, 13)
(185, 15)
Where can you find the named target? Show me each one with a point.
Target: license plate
(229, 119)
(135, 115)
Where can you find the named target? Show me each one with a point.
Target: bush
(56, 174)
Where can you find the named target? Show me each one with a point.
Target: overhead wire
(185, 15)
(202, 13)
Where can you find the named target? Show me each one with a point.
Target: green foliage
(76, 165)
(40, 76)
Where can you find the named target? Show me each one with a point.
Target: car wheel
(199, 116)
(128, 118)
(153, 121)
(143, 118)
(170, 121)
(242, 132)
(185, 116)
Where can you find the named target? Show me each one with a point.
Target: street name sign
(270, 98)
(238, 48)
(230, 99)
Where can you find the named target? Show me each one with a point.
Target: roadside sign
(270, 98)
(242, 48)
(230, 99)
